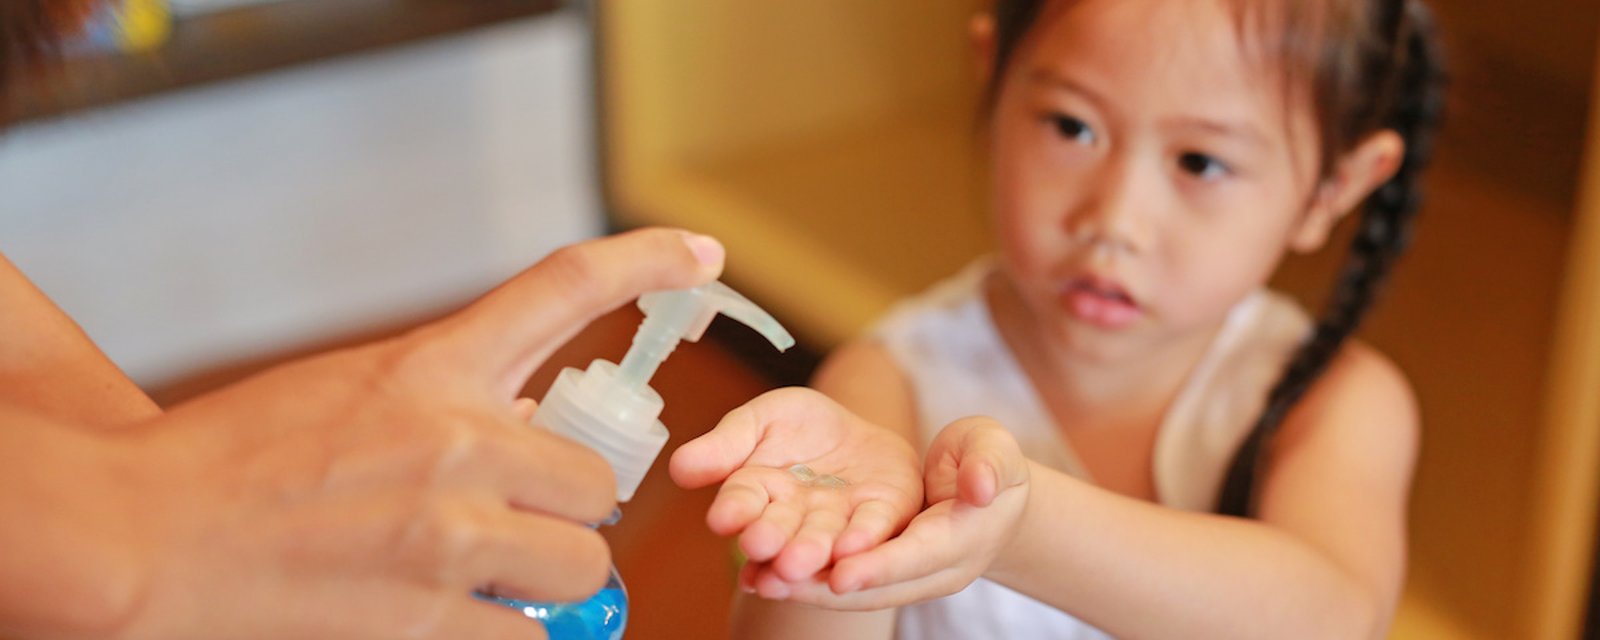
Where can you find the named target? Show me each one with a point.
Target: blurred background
(242, 181)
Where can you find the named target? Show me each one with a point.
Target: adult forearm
(69, 572)
(48, 364)
(1138, 570)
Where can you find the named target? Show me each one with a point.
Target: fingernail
(706, 249)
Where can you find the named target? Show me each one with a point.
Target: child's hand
(977, 486)
(859, 486)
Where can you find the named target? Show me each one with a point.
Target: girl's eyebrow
(1056, 80)
(1243, 132)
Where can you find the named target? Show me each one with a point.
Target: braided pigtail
(1412, 106)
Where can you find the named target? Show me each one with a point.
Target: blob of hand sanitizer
(612, 409)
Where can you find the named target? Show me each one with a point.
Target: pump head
(612, 409)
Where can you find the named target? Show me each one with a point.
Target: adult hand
(365, 493)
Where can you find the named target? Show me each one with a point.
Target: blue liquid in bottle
(601, 617)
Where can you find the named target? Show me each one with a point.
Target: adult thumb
(502, 337)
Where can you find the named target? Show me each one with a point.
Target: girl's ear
(981, 32)
(1355, 175)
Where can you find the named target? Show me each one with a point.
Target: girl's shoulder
(1362, 399)
(946, 325)
(864, 378)
(1362, 407)
(957, 295)
(1361, 411)
(1361, 384)
(930, 334)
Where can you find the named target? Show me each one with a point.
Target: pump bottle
(611, 409)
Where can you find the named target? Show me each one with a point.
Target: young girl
(1174, 451)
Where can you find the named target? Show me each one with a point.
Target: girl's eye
(1203, 166)
(1073, 129)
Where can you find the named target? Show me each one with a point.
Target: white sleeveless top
(946, 344)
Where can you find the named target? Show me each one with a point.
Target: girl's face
(1147, 175)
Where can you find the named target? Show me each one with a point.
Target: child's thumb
(974, 459)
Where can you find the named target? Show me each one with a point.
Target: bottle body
(602, 617)
(612, 410)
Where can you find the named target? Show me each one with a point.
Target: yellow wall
(834, 134)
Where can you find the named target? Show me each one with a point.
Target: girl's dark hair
(1366, 66)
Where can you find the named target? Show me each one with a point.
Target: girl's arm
(863, 379)
(1325, 560)
(50, 368)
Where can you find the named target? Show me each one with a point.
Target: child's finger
(739, 502)
(769, 534)
(973, 459)
(919, 551)
(712, 457)
(768, 584)
(977, 483)
(748, 573)
(872, 522)
(820, 594)
(816, 592)
(812, 546)
(523, 408)
(738, 438)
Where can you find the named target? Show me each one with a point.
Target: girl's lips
(1101, 303)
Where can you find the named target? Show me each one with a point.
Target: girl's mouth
(1101, 302)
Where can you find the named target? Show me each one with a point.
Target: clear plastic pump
(612, 409)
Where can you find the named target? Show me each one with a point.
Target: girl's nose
(1111, 216)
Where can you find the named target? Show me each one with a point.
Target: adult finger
(532, 469)
(479, 452)
(546, 472)
(524, 556)
(506, 334)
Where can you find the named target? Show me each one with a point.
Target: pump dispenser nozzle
(612, 409)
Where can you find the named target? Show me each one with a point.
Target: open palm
(804, 481)
(977, 484)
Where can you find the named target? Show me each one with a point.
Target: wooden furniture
(238, 42)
